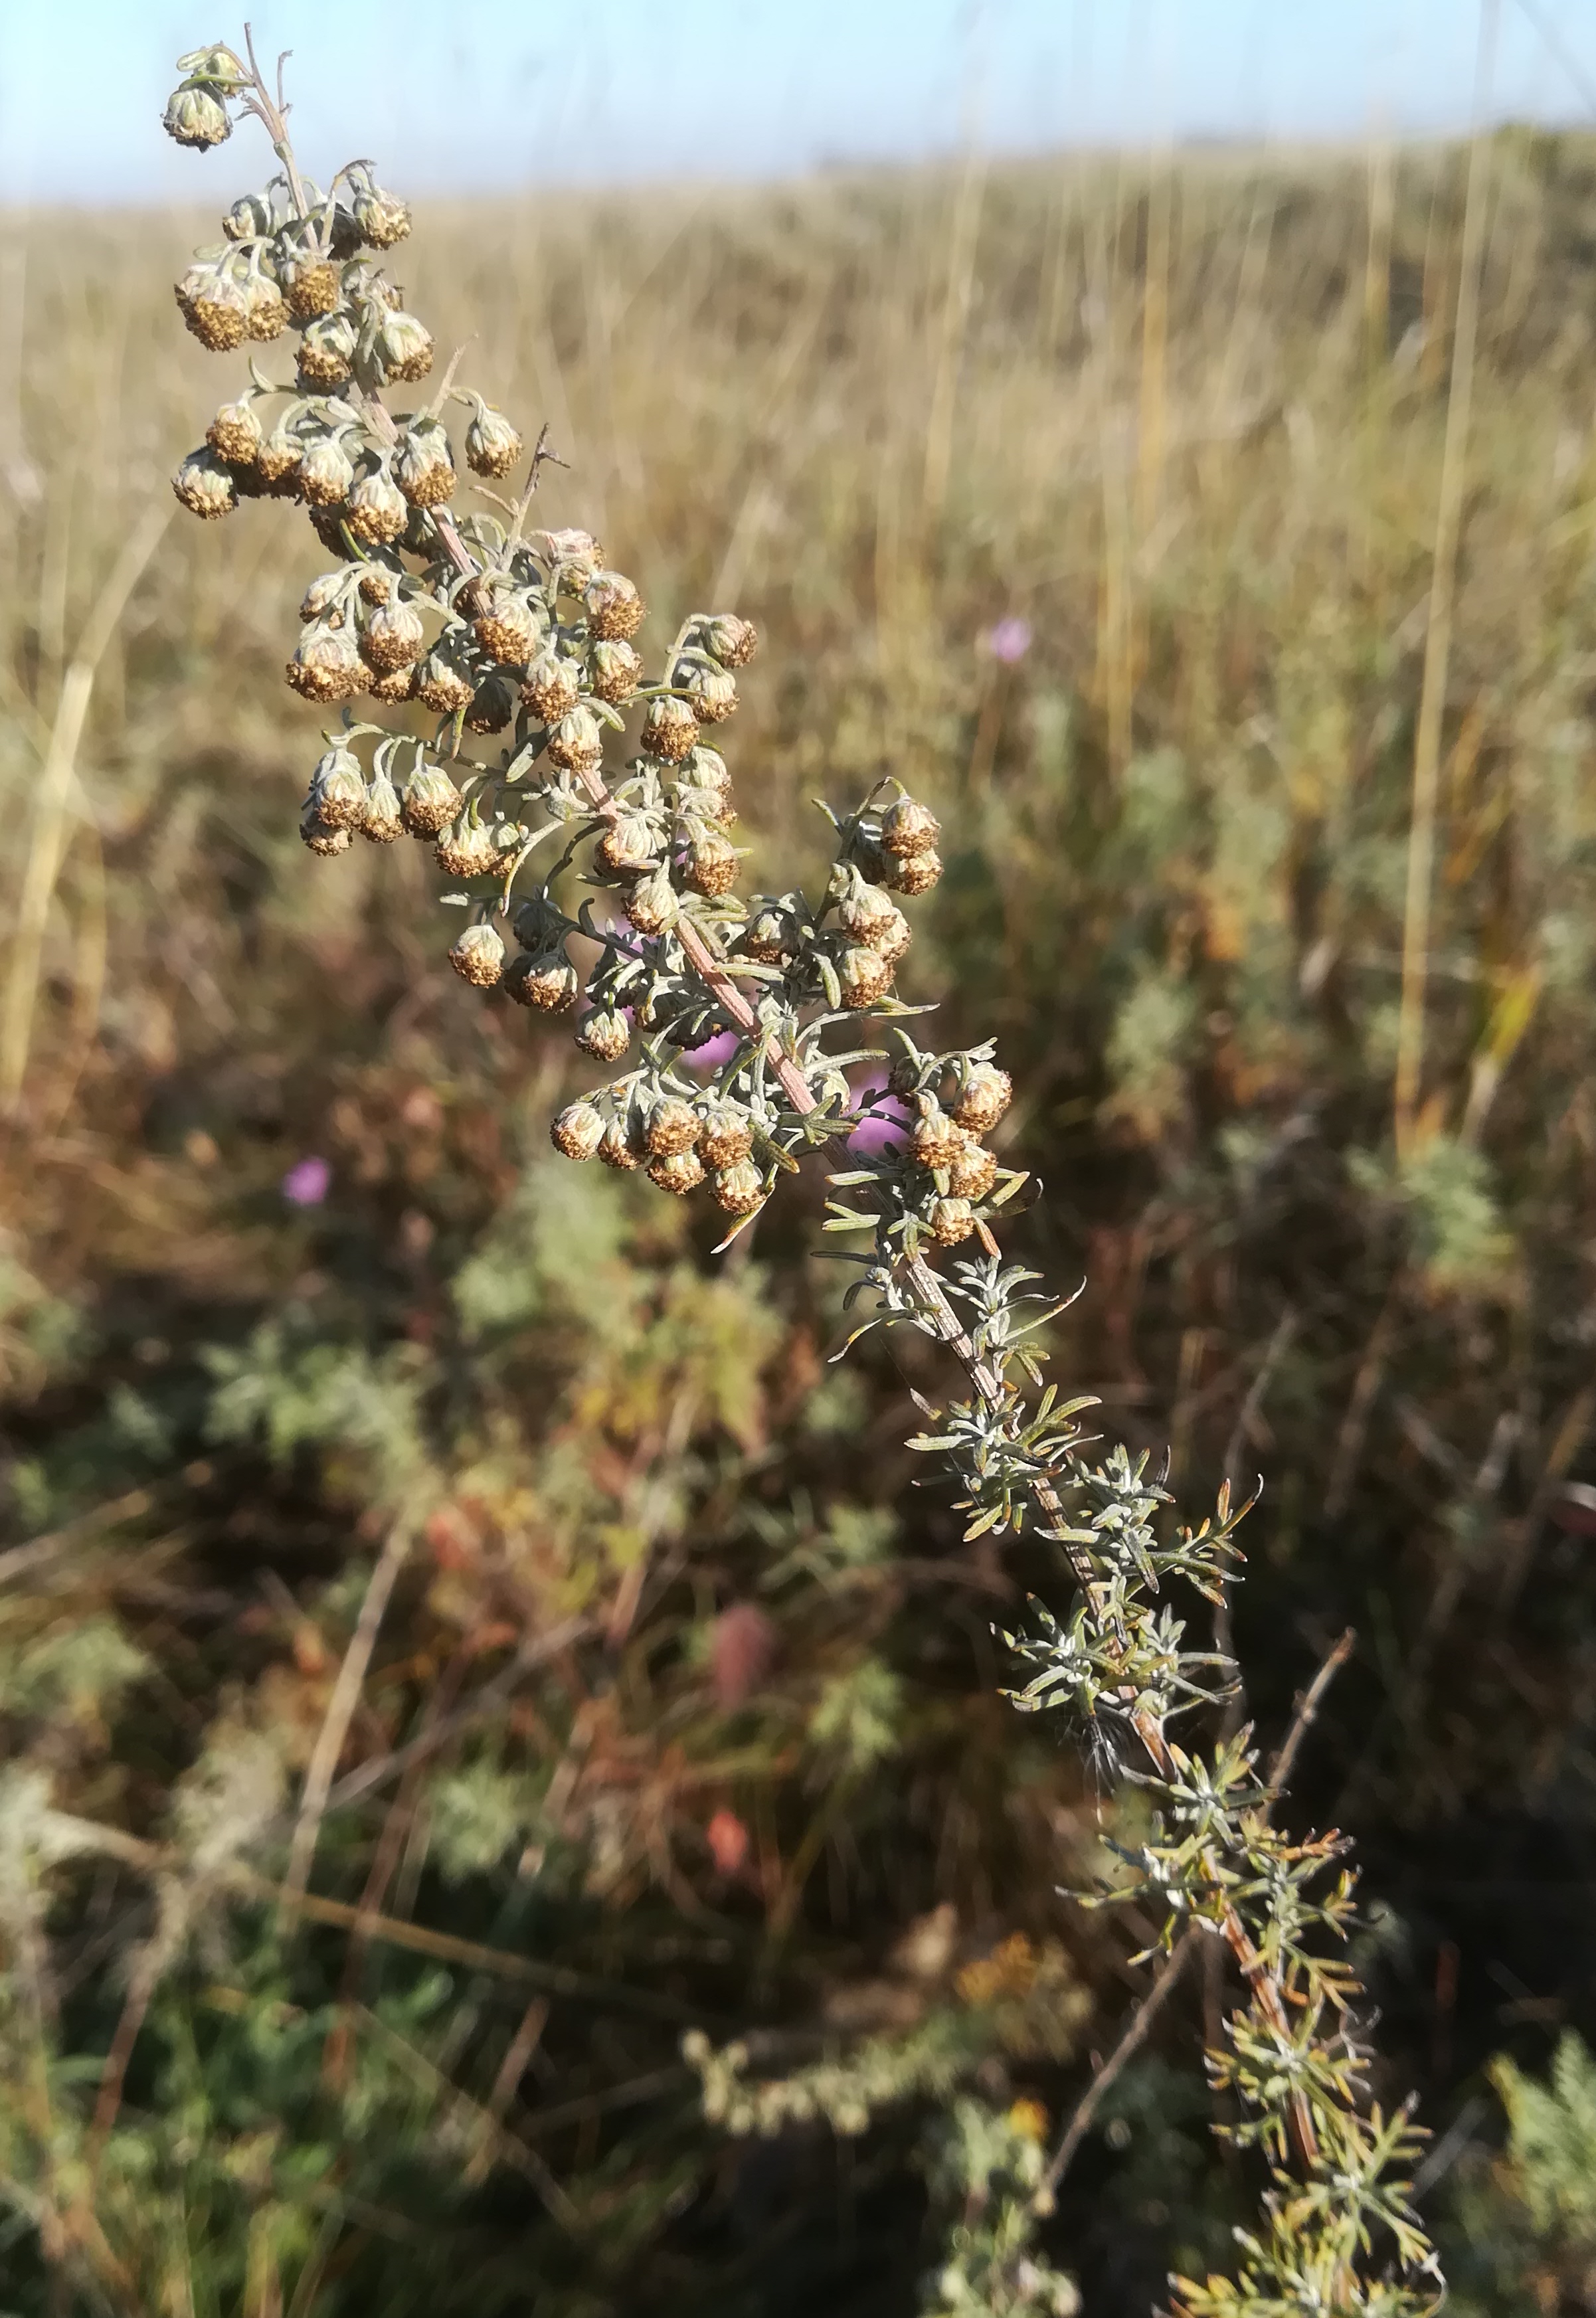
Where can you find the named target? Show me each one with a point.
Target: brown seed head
(492, 445)
(986, 1094)
(604, 1034)
(768, 936)
(383, 820)
(279, 456)
(327, 351)
(431, 800)
(393, 684)
(324, 595)
(322, 840)
(264, 309)
(327, 666)
(727, 1136)
(338, 790)
(616, 1148)
(952, 1220)
(393, 637)
(972, 1172)
(467, 849)
(205, 485)
(615, 670)
(652, 905)
(627, 844)
(380, 218)
(327, 473)
(444, 685)
(235, 433)
(549, 983)
(478, 956)
(936, 1138)
(712, 866)
(865, 975)
(908, 826)
(376, 511)
(194, 116)
(739, 1188)
(493, 704)
(912, 873)
(217, 313)
(404, 347)
(614, 609)
(673, 1126)
(552, 688)
(680, 1171)
(312, 288)
(506, 630)
(576, 743)
(577, 1131)
(423, 465)
(670, 729)
(733, 641)
(713, 692)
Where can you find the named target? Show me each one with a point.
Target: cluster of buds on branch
(481, 628)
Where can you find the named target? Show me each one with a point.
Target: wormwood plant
(499, 680)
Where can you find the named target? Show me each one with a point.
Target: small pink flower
(728, 1840)
(1009, 641)
(306, 1183)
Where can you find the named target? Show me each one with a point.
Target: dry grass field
(1176, 438)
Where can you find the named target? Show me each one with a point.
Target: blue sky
(472, 94)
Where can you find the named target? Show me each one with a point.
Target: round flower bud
(903, 1079)
(467, 849)
(327, 473)
(613, 606)
(248, 219)
(492, 445)
(868, 914)
(673, 1126)
(615, 670)
(376, 512)
(936, 1138)
(768, 936)
(577, 1131)
(431, 800)
(627, 844)
(446, 685)
(680, 1171)
(215, 310)
(912, 873)
(576, 744)
(575, 553)
(909, 827)
(604, 1034)
(205, 485)
(424, 467)
(733, 641)
(194, 116)
(235, 433)
(312, 287)
(652, 905)
(393, 637)
(478, 956)
(279, 457)
(493, 704)
(324, 595)
(706, 768)
(985, 1095)
(865, 975)
(326, 665)
(727, 1136)
(740, 1188)
(404, 347)
(712, 866)
(383, 820)
(892, 937)
(265, 312)
(338, 789)
(552, 688)
(952, 1220)
(327, 351)
(549, 983)
(670, 729)
(506, 630)
(972, 1172)
(316, 833)
(615, 1149)
(392, 685)
(713, 693)
(379, 217)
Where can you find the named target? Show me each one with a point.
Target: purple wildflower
(305, 1185)
(1009, 641)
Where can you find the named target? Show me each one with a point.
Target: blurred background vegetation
(348, 1959)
